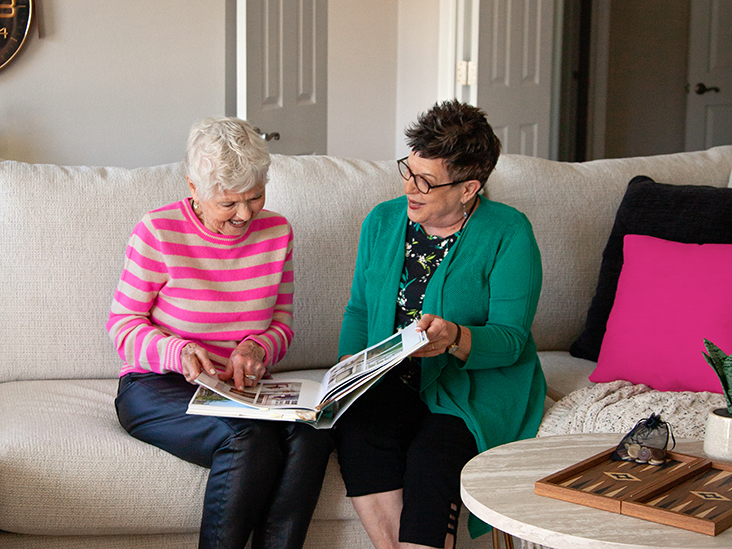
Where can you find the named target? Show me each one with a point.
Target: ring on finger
(252, 377)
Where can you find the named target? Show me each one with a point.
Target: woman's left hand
(246, 365)
(440, 332)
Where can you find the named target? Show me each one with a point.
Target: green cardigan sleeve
(515, 284)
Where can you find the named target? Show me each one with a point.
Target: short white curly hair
(225, 154)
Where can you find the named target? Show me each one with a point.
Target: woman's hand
(194, 359)
(246, 365)
(442, 334)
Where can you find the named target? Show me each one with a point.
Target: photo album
(316, 397)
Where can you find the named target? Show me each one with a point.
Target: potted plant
(718, 434)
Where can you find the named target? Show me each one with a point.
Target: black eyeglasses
(420, 182)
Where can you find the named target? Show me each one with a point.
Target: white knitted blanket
(615, 407)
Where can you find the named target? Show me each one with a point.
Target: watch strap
(452, 349)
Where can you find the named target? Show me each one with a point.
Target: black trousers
(389, 440)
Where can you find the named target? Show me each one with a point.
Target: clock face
(15, 22)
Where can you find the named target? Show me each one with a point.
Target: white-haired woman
(207, 285)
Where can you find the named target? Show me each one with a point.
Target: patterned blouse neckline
(423, 254)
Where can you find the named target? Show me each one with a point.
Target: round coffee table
(498, 487)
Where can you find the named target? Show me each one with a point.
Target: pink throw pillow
(670, 297)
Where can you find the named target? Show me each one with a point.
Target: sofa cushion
(64, 231)
(565, 373)
(68, 468)
(149, 541)
(571, 207)
(325, 199)
(670, 296)
(682, 213)
(71, 224)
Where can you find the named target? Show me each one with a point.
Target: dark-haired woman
(470, 270)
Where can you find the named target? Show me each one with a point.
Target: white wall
(383, 60)
(120, 83)
(113, 83)
(418, 60)
(362, 78)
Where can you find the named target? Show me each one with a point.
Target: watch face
(15, 22)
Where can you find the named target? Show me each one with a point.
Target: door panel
(285, 43)
(515, 67)
(709, 100)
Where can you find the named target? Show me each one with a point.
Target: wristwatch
(452, 349)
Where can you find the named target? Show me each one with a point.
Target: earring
(465, 211)
(195, 205)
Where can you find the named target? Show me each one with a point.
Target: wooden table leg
(496, 538)
(508, 540)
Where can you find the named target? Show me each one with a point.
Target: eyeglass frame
(411, 175)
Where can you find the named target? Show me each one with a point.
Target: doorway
(575, 81)
(709, 92)
(282, 72)
(638, 77)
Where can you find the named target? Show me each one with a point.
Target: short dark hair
(459, 134)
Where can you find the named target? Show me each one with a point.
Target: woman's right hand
(194, 359)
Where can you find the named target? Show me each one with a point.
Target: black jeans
(265, 475)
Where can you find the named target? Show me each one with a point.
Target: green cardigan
(490, 282)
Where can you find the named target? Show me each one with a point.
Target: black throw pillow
(682, 213)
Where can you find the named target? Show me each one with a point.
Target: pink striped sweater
(182, 283)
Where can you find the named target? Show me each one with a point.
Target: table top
(498, 487)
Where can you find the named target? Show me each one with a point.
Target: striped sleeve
(277, 338)
(142, 345)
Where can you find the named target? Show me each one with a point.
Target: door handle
(274, 136)
(701, 89)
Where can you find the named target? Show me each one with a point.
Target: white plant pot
(718, 435)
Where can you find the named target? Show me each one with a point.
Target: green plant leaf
(716, 356)
(722, 365)
(727, 381)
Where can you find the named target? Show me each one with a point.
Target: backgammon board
(687, 491)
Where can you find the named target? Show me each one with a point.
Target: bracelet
(452, 349)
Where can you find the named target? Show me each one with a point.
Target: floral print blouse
(423, 254)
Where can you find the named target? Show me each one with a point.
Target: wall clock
(15, 23)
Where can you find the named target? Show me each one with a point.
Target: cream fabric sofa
(69, 474)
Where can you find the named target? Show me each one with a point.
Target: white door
(515, 72)
(709, 99)
(282, 72)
